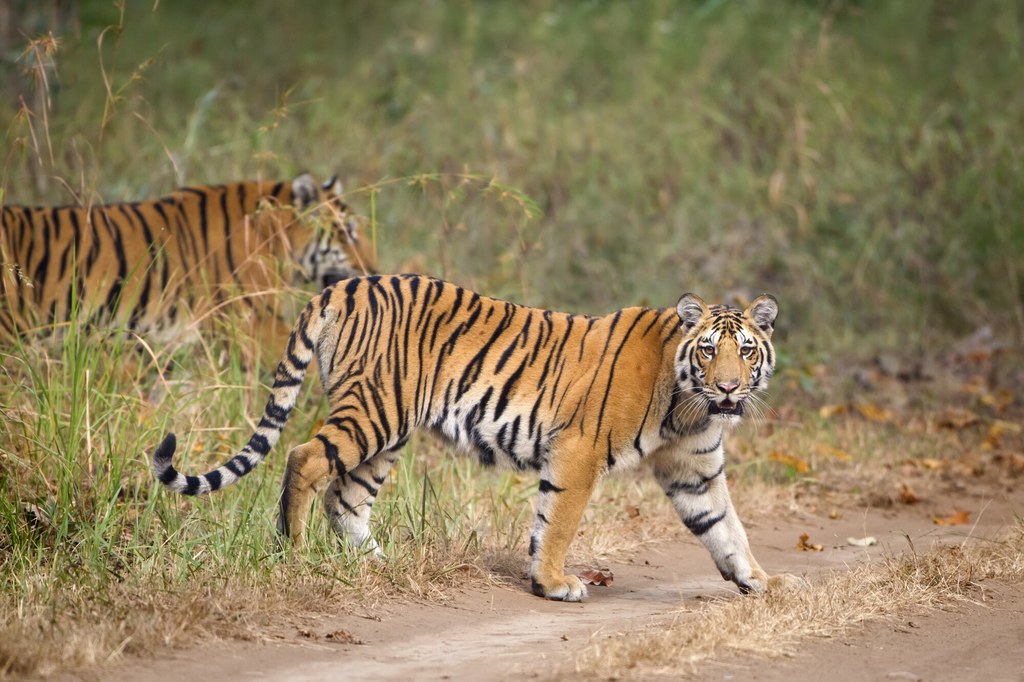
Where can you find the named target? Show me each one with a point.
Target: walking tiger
(572, 397)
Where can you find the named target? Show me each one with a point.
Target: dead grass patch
(61, 624)
(774, 624)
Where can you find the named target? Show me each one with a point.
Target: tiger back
(157, 267)
(569, 396)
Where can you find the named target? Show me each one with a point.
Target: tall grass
(857, 160)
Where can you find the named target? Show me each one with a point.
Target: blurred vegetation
(860, 160)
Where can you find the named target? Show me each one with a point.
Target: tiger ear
(691, 308)
(304, 191)
(763, 310)
(334, 186)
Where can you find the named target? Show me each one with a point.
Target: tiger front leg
(563, 494)
(696, 485)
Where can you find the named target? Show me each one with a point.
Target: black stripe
(331, 453)
(363, 482)
(611, 370)
(547, 486)
(259, 444)
(214, 479)
(701, 523)
(709, 450)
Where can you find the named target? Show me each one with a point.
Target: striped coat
(569, 396)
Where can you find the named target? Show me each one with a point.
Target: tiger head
(726, 354)
(332, 245)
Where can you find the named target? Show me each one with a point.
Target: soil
(505, 633)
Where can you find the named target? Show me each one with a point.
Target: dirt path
(505, 633)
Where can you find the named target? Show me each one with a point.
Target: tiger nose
(728, 386)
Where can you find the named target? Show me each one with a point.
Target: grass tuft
(777, 623)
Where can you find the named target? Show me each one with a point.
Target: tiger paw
(566, 588)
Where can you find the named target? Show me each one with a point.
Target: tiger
(156, 267)
(572, 397)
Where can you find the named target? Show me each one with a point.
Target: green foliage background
(860, 160)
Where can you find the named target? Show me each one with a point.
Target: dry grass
(777, 623)
(58, 624)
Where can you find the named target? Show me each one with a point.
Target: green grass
(858, 160)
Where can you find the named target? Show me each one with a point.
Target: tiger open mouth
(726, 407)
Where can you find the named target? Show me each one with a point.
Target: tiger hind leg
(348, 501)
(331, 452)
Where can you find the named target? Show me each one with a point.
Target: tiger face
(727, 354)
(332, 246)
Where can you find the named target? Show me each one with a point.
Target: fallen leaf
(596, 576)
(907, 494)
(1017, 463)
(874, 413)
(999, 401)
(835, 514)
(930, 463)
(957, 418)
(804, 545)
(829, 451)
(998, 429)
(343, 637)
(798, 464)
(866, 541)
(633, 511)
(829, 411)
(960, 517)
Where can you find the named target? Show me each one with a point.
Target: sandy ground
(504, 633)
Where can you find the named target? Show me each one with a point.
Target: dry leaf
(957, 418)
(633, 511)
(835, 514)
(835, 453)
(960, 517)
(907, 494)
(1017, 463)
(930, 463)
(999, 401)
(998, 429)
(343, 637)
(798, 464)
(874, 413)
(596, 576)
(866, 541)
(804, 545)
(829, 411)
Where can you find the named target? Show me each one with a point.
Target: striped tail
(287, 384)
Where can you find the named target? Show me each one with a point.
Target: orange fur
(154, 266)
